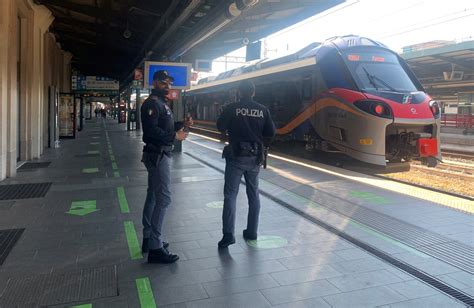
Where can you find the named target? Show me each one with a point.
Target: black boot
(249, 236)
(145, 245)
(161, 256)
(227, 239)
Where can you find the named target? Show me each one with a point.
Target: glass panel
(66, 115)
(378, 70)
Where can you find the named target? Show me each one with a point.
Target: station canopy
(113, 37)
(446, 69)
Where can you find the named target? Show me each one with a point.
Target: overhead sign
(181, 72)
(203, 65)
(85, 84)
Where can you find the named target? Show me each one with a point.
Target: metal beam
(90, 47)
(146, 51)
(98, 38)
(70, 27)
(76, 23)
(96, 27)
(79, 8)
(464, 64)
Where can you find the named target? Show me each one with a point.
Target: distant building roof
(427, 45)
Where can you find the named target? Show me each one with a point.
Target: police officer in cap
(250, 129)
(159, 133)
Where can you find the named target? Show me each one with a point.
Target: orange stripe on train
(313, 109)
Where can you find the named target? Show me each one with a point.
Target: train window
(378, 70)
(335, 72)
(307, 88)
(319, 84)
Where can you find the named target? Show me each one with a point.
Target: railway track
(447, 169)
(450, 154)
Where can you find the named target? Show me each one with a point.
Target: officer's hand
(181, 134)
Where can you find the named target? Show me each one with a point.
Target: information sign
(181, 72)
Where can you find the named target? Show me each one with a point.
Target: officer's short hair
(246, 88)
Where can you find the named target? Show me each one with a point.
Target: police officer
(159, 133)
(250, 129)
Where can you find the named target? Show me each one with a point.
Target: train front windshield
(378, 70)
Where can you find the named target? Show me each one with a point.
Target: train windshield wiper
(372, 79)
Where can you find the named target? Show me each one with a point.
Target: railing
(457, 120)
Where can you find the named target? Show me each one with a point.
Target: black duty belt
(157, 148)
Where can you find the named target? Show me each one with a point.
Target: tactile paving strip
(8, 239)
(24, 191)
(61, 288)
(29, 166)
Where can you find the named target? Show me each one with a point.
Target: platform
(80, 243)
(457, 142)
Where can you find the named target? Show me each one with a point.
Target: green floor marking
(82, 208)
(305, 201)
(114, 166)
(290, 194)
(369, 197)
(82, 306)
(112, 157)
(387, 238)
(94, 143)
(116, 174)
(145, 293)
(122, 200)
(90, 170)
(268, 242)
(132, 240)
(93, 152)
(215, 204)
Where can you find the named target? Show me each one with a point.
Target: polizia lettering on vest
(245, 112)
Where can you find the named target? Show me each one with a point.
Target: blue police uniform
(158, 135)
(250, 129)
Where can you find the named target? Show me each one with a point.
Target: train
(348, 94)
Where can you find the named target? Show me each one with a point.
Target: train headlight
(435, 110)
(379, 109)
(375, 108)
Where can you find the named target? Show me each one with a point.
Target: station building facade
(33, 67)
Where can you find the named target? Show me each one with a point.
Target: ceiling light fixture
(127, 33)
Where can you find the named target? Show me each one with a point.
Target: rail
(457, 120)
